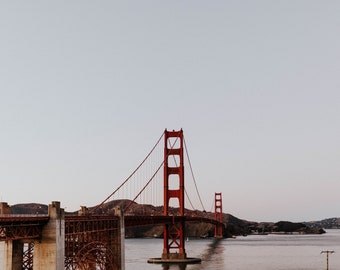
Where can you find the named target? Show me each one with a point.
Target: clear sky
(87, 87)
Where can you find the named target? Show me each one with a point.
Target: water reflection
(274, 252)
(210, 252)
(207, 255)
(181, 266)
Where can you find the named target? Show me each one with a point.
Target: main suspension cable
(186, 193)
(127, 179)
(192, 173)
(152, 177)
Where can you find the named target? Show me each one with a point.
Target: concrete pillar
(11, 254)
(83, 211)
(6, 255)
(17, 255)
(119, 213)
(2, 255)
(3, 245)
(5, 209)
(115, 241)
(49, 252)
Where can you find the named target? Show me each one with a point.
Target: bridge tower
(174, 233)
(218, 215)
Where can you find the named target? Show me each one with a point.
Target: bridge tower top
(171, 152)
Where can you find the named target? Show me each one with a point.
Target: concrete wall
(8, 249)
(11, 253)
(49, 252)
(6, 255)
(2, 255)
(5, 209)
(121, 237)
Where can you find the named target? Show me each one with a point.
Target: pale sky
(87, 87)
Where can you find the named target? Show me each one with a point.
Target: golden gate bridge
(94, 238)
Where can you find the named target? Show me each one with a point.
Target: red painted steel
(136, 221)
(92, 239)
(218, 215)
(21, 227)
(91, 242)
(174, 233)
(27, 258)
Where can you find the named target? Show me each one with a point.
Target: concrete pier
(120, 239)
(49, 251)
(175, 260)
(5, 209)
(11, 251)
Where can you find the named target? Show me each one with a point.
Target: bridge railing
(23, 215)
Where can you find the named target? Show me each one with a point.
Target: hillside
(329, 223)
(235, 226)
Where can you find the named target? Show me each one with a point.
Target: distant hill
(235, 226)
(29, 209)
(329, 223)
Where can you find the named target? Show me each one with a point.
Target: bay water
(253, 252)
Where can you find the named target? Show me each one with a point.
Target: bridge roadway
(131, 221)
(15, 227)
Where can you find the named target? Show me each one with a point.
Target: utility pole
(327, 252)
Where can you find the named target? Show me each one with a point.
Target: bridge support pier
(49, 252)
(17, 254)
(12, 252)
(118, 243)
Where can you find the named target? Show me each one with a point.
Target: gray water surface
(260, 252)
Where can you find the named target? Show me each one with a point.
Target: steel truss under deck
(92, 242)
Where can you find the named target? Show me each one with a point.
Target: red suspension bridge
(94, 238)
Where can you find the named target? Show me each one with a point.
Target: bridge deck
(23, 219)
(14, 227)
(131, 221)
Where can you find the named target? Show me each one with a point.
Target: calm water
(267, 252)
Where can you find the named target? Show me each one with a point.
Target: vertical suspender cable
(199, 196)
(127, 179)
